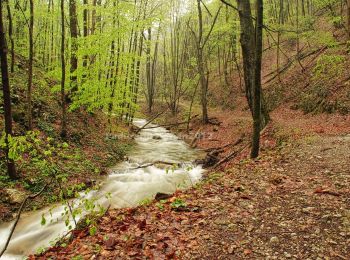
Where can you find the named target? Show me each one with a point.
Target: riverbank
(82, 160)
(136, 181)
(94, 143)
(291, 203)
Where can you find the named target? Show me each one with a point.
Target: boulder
(15, 196)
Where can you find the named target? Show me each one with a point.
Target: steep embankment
(92, 145)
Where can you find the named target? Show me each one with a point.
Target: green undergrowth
(42, 157)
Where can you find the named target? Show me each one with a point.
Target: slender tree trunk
(93, 17)
(149, 71)
(257, 86)
(30, 66)
(137, 78)
(280, 22)
(248, 47)
(85, 32)
(348, 14)
(153, 67)
(51, 59)
(12, 42)
(251, 42)
(63, 75)
(200, 61)
(11, 169)
(74, 48)
(303, 7)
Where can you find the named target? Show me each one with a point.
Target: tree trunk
(11, 169)
(200, 61)
(251, 43)
(12, 42)
(30, 66)
(63, 75)
(348, 14)
(149, 71)
(257, 85)
(248, 47)
(74, 49)
(85, 32)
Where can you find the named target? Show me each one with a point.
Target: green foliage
(93, 230)
(145, 202)
(46, 128)
(325, 3)
(328, 66)
(43, 220)
(337, 21)
(178, 203)
(316, 98)
(320, 38)
(160, 205)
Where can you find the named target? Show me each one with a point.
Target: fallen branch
(290, 63)
(165, 126)
(18, 217)
(169, 125)
(328, 192)
(221, 148)
(150, 121)
(230, 156)
(152, 164)
(212, 158)
(195, 139)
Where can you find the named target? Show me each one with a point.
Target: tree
(251, 43)
(257, 84)
(11, 169)
(201, 41)
(200, 61)
(30, 66)
(175, 58)
(63, 75)
(12, 42)
(151, 63)
(74, 49)
(348, 14)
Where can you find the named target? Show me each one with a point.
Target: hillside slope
(92, 146)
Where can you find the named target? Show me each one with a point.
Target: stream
(127, 185)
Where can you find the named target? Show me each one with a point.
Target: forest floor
(291, 203)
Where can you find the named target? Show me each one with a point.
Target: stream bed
(127, 185)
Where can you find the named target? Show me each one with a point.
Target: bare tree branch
(212, 26)
(206, 8)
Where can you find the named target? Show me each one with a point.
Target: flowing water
(126, 186)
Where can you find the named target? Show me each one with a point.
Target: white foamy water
(126, 186)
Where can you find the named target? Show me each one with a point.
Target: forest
(179, 129)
